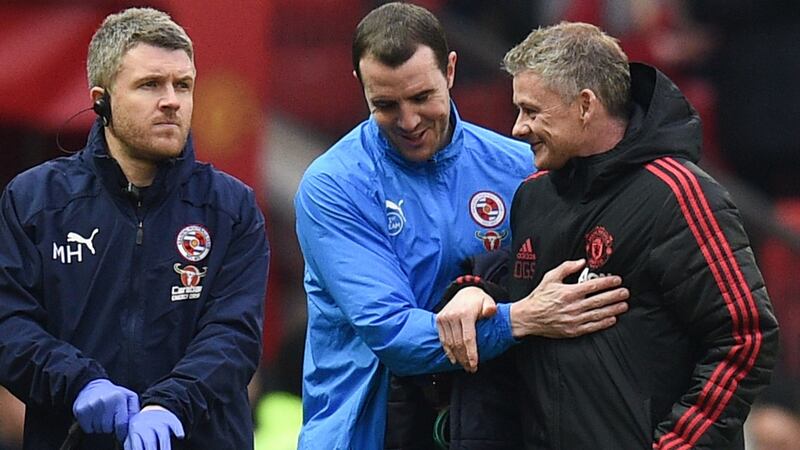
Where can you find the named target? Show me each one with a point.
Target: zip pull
(140, 233)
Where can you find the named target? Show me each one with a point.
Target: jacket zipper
(140, 228)
(134, 307)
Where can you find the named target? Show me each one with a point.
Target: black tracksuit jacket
(681, 367)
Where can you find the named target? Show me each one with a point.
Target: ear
(355, 75)
(451, 69)
(588, 105)
(95, 93)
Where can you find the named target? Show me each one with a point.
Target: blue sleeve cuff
(504, 323)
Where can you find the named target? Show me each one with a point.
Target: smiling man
(132, 277)
(620, 146)
(411, 103)
(384, 219)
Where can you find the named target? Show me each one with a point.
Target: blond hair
(122, 31)
(570, 57)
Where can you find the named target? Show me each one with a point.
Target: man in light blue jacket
(385, 217)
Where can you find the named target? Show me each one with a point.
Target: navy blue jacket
(162, 294)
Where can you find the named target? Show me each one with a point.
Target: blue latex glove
(104, 407)
(151, 429)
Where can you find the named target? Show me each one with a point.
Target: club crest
(194, 242)
(487, 209)
(599, 247)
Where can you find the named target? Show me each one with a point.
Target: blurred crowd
(738, 62)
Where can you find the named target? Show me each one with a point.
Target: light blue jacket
(382, 238)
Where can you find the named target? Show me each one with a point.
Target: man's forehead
(415, 76)
(529, 86)
(423, 58)
(397, 91)
(146, 58)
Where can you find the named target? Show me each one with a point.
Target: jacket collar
(171, 172)
(440, 160)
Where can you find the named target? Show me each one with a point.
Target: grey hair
(570, 57)
(122, 31)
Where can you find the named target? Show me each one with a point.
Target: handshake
(104, 407)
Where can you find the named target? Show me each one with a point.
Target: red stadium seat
(779, 265)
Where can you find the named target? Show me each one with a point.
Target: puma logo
(75, 237)
(395, 217)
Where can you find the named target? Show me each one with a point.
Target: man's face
(411, 103)
(152, 103)
(552, 126)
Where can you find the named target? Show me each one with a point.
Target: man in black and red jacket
(617, 146)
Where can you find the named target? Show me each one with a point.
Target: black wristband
(497, 292)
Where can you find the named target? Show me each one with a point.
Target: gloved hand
(104, 407)
(151, 429)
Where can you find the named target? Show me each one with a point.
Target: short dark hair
(392, 33)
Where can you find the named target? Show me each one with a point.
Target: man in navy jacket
(132, 277)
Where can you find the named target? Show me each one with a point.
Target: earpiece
(102, 106)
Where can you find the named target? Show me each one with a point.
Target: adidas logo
(525, 252)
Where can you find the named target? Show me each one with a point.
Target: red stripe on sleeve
(728, 276)
(536, 175)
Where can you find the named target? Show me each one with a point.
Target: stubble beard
(139, 144)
